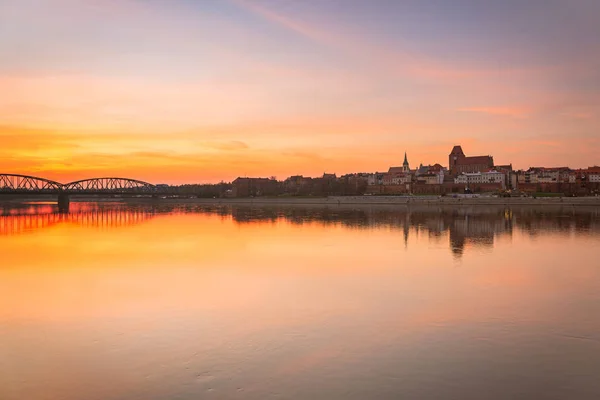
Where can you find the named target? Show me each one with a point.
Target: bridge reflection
(36, 217)
(461, 228)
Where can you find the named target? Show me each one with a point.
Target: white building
(433, 178)
(430, 174)
(396, 178)
(375, 179)
(474, 178)
(549, 175)
(593, 174)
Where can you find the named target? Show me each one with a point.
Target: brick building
(460, 164)
(244, 187)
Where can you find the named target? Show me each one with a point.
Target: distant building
(548, 175)
(431, 179)
(396, 177)
(477, 178)
(459, 163)
(430, 174)
(405, 168)
(297, 184)
(375, 179)
(504, 168)
(511, 177)
(593, 174)
(244, 187)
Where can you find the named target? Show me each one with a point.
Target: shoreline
(337, 200)
(387, 200)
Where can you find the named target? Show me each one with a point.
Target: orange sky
(208, 91)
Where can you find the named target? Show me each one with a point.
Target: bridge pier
(63, 202)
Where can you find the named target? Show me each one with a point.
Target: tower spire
(405, 166)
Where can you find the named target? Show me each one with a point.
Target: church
(404, 169)
(398, 175)
(459, 163)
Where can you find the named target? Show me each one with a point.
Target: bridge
(31, 185)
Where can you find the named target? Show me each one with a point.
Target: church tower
(455, 157)
(405, 167)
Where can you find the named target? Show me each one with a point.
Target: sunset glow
(202, 91)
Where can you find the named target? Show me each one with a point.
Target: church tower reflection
(463, 228)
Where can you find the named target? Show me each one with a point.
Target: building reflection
(461, 227)
(478, 232)
(477, 227)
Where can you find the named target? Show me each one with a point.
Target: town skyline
(151, 174)
(463, 173)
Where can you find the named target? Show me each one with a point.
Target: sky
(199, 91)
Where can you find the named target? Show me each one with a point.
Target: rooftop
(475, 160)
(457, 149)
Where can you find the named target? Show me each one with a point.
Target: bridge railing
(25, 183)
(110, 184)
(14, 183)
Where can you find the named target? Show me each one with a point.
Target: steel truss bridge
(24, 184)
(32, 185)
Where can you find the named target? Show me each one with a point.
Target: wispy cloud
(399, 60)
(332, 37)
(306, 30)
(515, 112)
(274, 87)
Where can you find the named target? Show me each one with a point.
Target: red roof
(457, 149)
(550, 169)
(594, 169)
(254, 180)
(475, 160)
(396, 170)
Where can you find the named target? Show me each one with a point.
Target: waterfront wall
(459, 200)
(422, 188)
(404, 200)
(561, 188)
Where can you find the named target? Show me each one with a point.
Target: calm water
(131, 302)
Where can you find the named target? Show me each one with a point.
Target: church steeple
(405, 166)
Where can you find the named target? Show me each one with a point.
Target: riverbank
(390, 200)
(337, 200)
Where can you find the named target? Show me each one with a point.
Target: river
(142, 301)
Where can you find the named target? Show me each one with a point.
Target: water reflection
(170, 301)
(477, 227)
(36, 217)
(468, 226)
